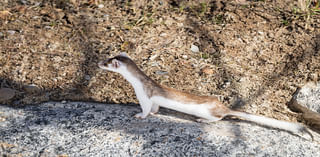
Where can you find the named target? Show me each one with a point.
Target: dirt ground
(253, 54)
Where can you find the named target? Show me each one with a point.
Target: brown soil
(253, 54)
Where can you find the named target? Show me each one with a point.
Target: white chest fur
(137, 85)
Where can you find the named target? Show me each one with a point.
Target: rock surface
(309, 96)
(306, 102)
(91, 129)
(6, 94)
(32, 88)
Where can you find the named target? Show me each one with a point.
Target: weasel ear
(115, 63)
(123, 54)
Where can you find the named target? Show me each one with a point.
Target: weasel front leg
(146, 106)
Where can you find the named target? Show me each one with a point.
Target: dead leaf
(303, 5)
(20, 9)
(74, 2)
(44, 12)
(117, 139)
(208, 70)
(6, 145)
(93, 2)
(4, 14)
(243, 2)
(127, 45)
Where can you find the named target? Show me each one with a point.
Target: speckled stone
(91, 129)
(309, 96)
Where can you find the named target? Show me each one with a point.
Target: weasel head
(116, 64)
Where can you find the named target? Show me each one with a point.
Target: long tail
(289, 126)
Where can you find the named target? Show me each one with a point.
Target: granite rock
(309, 96)
(91, 129)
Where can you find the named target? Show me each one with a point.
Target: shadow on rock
(80, 128)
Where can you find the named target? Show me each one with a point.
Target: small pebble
(161, 72)
(47, 27)
(100, 6)
(185, 57)
(194, 48)
(32, 88)
(153, 57)
(87, 77)
(11, 32)
(23, 1)
(106, 16)
(154, 64)
(163, 34)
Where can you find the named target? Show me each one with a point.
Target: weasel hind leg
(154, 108)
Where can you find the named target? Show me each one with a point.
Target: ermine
(152, 95)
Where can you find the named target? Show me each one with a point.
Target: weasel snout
(102, 65)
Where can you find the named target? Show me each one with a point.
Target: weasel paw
(153, 113)
(140, 116)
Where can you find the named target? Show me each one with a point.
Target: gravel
(92, 129)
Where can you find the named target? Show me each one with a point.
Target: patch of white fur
(199, 110)
(136, 83)
(145, 102)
